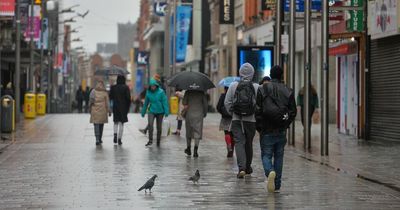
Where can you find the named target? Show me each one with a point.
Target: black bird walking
(149, 184)
(196, 177)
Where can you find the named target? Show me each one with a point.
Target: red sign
(7, 7)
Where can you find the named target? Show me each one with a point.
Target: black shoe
(149, 143)
(230, 154)
(158, 143)
(115, 138)
(177, 133)
(97, 143)
(188, 152)
(195, 152)
(249, 170)
(119, 142)
(144, 131)
(101, 141)
(241, 174)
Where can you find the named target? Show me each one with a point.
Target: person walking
(194, 111)
(275, 111)
(180, 94)
(86, 94)
(313, 103)
(120, 97)
(225, 123)
(157, 78)
(99, 109)
(79, 97)
(240, 102)
(157, 105)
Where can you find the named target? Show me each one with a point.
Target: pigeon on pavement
(149, 184)
(196, 177)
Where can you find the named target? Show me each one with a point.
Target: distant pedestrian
(79, 97)
(314, 104)
(240, 101)
(120, 97)
(156, 105)
(99, 109)
(265, 80)
(276, 110)
(195, 110)
(225, 123)
(180, 94)
(87, 97)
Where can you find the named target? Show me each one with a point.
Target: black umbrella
(113, 70)
(189, 80)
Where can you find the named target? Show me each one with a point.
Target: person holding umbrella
(195, 105)
(157, 105)
(195, 110)
(120, 97)
(98, 107)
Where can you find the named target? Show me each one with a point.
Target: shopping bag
(166, 128)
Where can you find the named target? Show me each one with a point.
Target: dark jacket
(121, 100)
(221, 107)
(263, 124)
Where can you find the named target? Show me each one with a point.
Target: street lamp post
(31, 71)
(41, 48)
(17, 77)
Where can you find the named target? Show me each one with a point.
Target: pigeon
(84, 14)
(196, 177)
(149, 184)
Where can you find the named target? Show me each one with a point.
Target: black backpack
(244, 99)
(275, 107)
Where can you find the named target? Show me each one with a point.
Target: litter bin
(174, 105)
(41, 104)
(30, 105)
(7, 114)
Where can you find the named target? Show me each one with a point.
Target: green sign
(356, 21)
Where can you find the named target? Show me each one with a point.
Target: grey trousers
(159, 120)
(243, 142)
(98, 131)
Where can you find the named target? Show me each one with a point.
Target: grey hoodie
(246, 73)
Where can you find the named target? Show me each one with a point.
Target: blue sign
(160, 8)
(316, 5)
(142, 58)
(260, 57)
(183, 15)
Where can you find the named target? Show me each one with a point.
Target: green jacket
(155, 101)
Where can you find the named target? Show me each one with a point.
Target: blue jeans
(273, 145)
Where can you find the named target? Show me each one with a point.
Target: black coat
(221, 107)
(121, 99)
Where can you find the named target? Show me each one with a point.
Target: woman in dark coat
(120, 100)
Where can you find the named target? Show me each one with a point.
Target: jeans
(273, 145)
(159, 120)
(243, 143)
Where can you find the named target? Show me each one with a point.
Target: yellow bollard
(30, 106)
(41, 104)
(174, 105)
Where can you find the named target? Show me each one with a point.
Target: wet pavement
(53, 163)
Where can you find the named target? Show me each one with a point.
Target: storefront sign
(383, 18)
(316, 5)
(355, 23)
(226, 11)
(7, 7)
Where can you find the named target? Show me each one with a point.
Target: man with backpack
(240, 101)
(275, 111)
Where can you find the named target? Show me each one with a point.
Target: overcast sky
(100, 25)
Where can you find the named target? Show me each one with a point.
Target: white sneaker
(271, 182)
